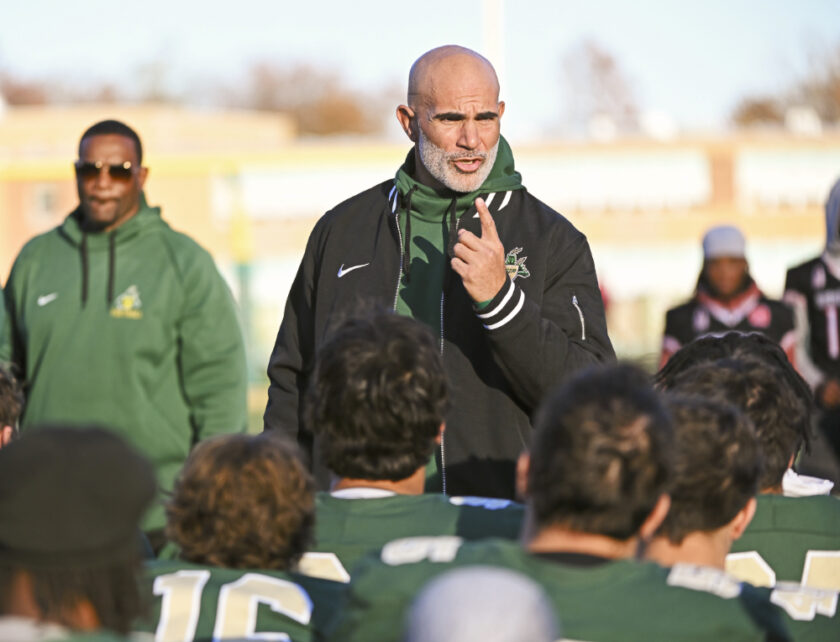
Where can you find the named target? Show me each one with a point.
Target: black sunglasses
(87, 170)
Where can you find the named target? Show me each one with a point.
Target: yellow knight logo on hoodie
(128, 304)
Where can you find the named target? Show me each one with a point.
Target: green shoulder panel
(350, 528)
(792, 546)
(788, 533)
(193, 602)
(620, 600)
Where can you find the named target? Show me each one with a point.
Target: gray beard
(437, 162)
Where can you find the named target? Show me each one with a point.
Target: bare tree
(17, 91)
(759, 111)
(318, 99)
(818, 88)
(597, 86)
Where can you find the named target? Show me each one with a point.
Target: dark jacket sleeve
(291, 359)
(537, 344)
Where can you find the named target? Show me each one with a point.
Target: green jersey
(786, 531)
(621, 600)
(346, 529)
(793, 545)
(193, 602)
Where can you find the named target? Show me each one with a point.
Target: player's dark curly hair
(717, 465)
(601, 453)
(780, 416)
(377, 397)
(11, 399)
(106, 127)
(112, 591)
(738, 345)
(243, 501)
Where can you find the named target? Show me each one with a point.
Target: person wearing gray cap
(726, 298)
(481, 603)
(71, 501)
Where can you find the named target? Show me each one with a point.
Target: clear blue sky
(691, 60)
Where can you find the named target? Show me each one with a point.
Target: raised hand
(480, 261)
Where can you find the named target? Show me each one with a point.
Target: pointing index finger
(488, 225)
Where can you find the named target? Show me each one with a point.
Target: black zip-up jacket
(501, 361)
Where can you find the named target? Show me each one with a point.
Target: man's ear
(142, 173)
(6, 434)
(501, 108)
(407, 119)
(439, 438)
(655, 518)
(742, 519)
(523, 465)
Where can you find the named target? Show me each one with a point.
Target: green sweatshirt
(420, 290)
(134, 330)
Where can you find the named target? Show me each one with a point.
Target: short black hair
(601, 453)
(717, 465)
(11, 399)
(106, 127)
(377, 397)
(780, 416)
(736, 345)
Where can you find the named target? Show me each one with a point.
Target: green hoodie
(422, 281)
(134, 330)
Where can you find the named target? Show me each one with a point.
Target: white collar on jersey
(362, 492)
(796, 485)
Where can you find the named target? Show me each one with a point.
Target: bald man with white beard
(506, 284)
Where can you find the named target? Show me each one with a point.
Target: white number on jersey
(815, 594)
(236, 611)
(327, 566)
(415, 549)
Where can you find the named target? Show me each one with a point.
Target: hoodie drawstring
(84, 269)
(407, 243)
(112, 266)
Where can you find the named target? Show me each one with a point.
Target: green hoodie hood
(428, 220)
(73, 232)
(426, 201)
(72, 229)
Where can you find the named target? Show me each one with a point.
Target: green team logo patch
(515, 265)
(128, 304)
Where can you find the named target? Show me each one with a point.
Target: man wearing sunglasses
(116, 319)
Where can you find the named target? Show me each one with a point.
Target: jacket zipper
(443, 436)
(400, 273)
(580, 314)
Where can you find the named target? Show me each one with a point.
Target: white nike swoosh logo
(47, 298)
(342, 271)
